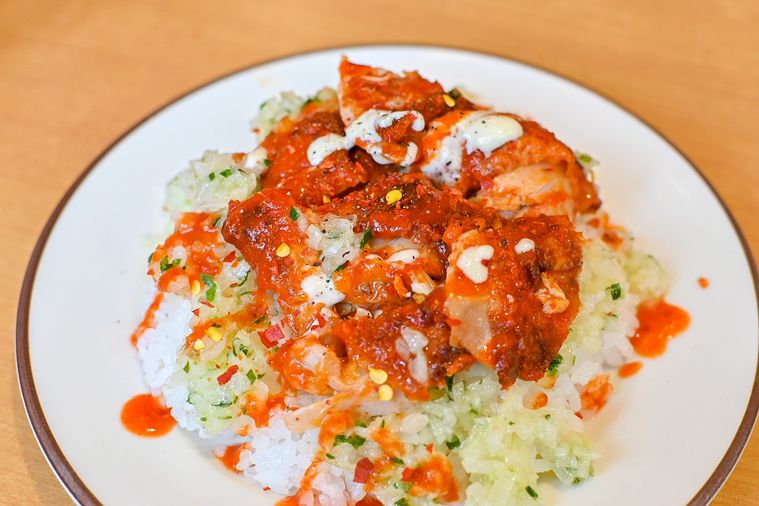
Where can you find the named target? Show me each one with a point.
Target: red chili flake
(321, 320)
(224, 377)
(408, 474)
(206, 303)
(430, 447)
(271, 336)
(363, 470)
(229, 257)
(196, 311)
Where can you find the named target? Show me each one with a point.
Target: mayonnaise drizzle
(364, 129)
(483, 131)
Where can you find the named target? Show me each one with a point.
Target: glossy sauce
(657, 324)
(435, 476)
(231, 457)
(703, 282)
(148, 322)
(144, 415)
(630, 369)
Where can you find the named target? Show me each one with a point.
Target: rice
(498, 441)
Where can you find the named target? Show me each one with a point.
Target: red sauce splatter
(144, 415)
(231, 457)
(658, 323)
(369, 501)
(630, 369)
(363, 471)
(596, 393)
(389, 443)
(435, 476)
(703, 282)
(334, 424)
(148, 322)
(540, 401)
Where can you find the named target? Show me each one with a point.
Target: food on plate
(399, 297)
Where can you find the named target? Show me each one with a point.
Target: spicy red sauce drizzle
(144, 415)
(657, 324)
(231, 457)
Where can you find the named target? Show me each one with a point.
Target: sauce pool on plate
(144, 415)
(658, 323)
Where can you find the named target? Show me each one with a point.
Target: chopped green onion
(354, 440)
(294, 214)
(267, 162)
(186, 367)
(226, 172)
(453, 443)
(366, 238)
(341, 266)
(396, 460)
(449, 383)
(585, 158)
(251, 376)
(329, 456)
(553, 367)
(165, 265)
(454, 93)
(212, 176)
(615, 291)
(209, 282)
(531, 492)
(401, 502)
(361, 424)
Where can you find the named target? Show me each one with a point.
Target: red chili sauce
(144, 415)
(658, 322)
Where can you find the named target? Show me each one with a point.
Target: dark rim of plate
(76, 486)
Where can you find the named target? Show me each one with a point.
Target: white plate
(669, 435)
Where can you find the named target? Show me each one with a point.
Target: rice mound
(495, 444)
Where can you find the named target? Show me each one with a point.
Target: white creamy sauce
(405, 256)
(483, 131)
(364, 128)
(470, 262)
(524, 245)
(321, 289)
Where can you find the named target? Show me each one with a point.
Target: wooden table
(74, 75)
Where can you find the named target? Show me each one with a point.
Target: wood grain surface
(74, 75)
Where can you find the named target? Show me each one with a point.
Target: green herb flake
(366, 238)
(165, 264)
(547, 416)
(150, 257)
(251, 376)
(396, 460)
(454, 93)
(361, 424)
(216, 221)
(585, 158)
(401, 502)
(203, 419)
(341, 266)
(553, 367)
(226, 172)
(267, 162)
(449, 383)
(531, 492)
(453, 443)
(212, 176)
(294, 214)
(354, 440)
(186, 367)
(577, 481)
(329, 456)
(615, 291)
(209, 282)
